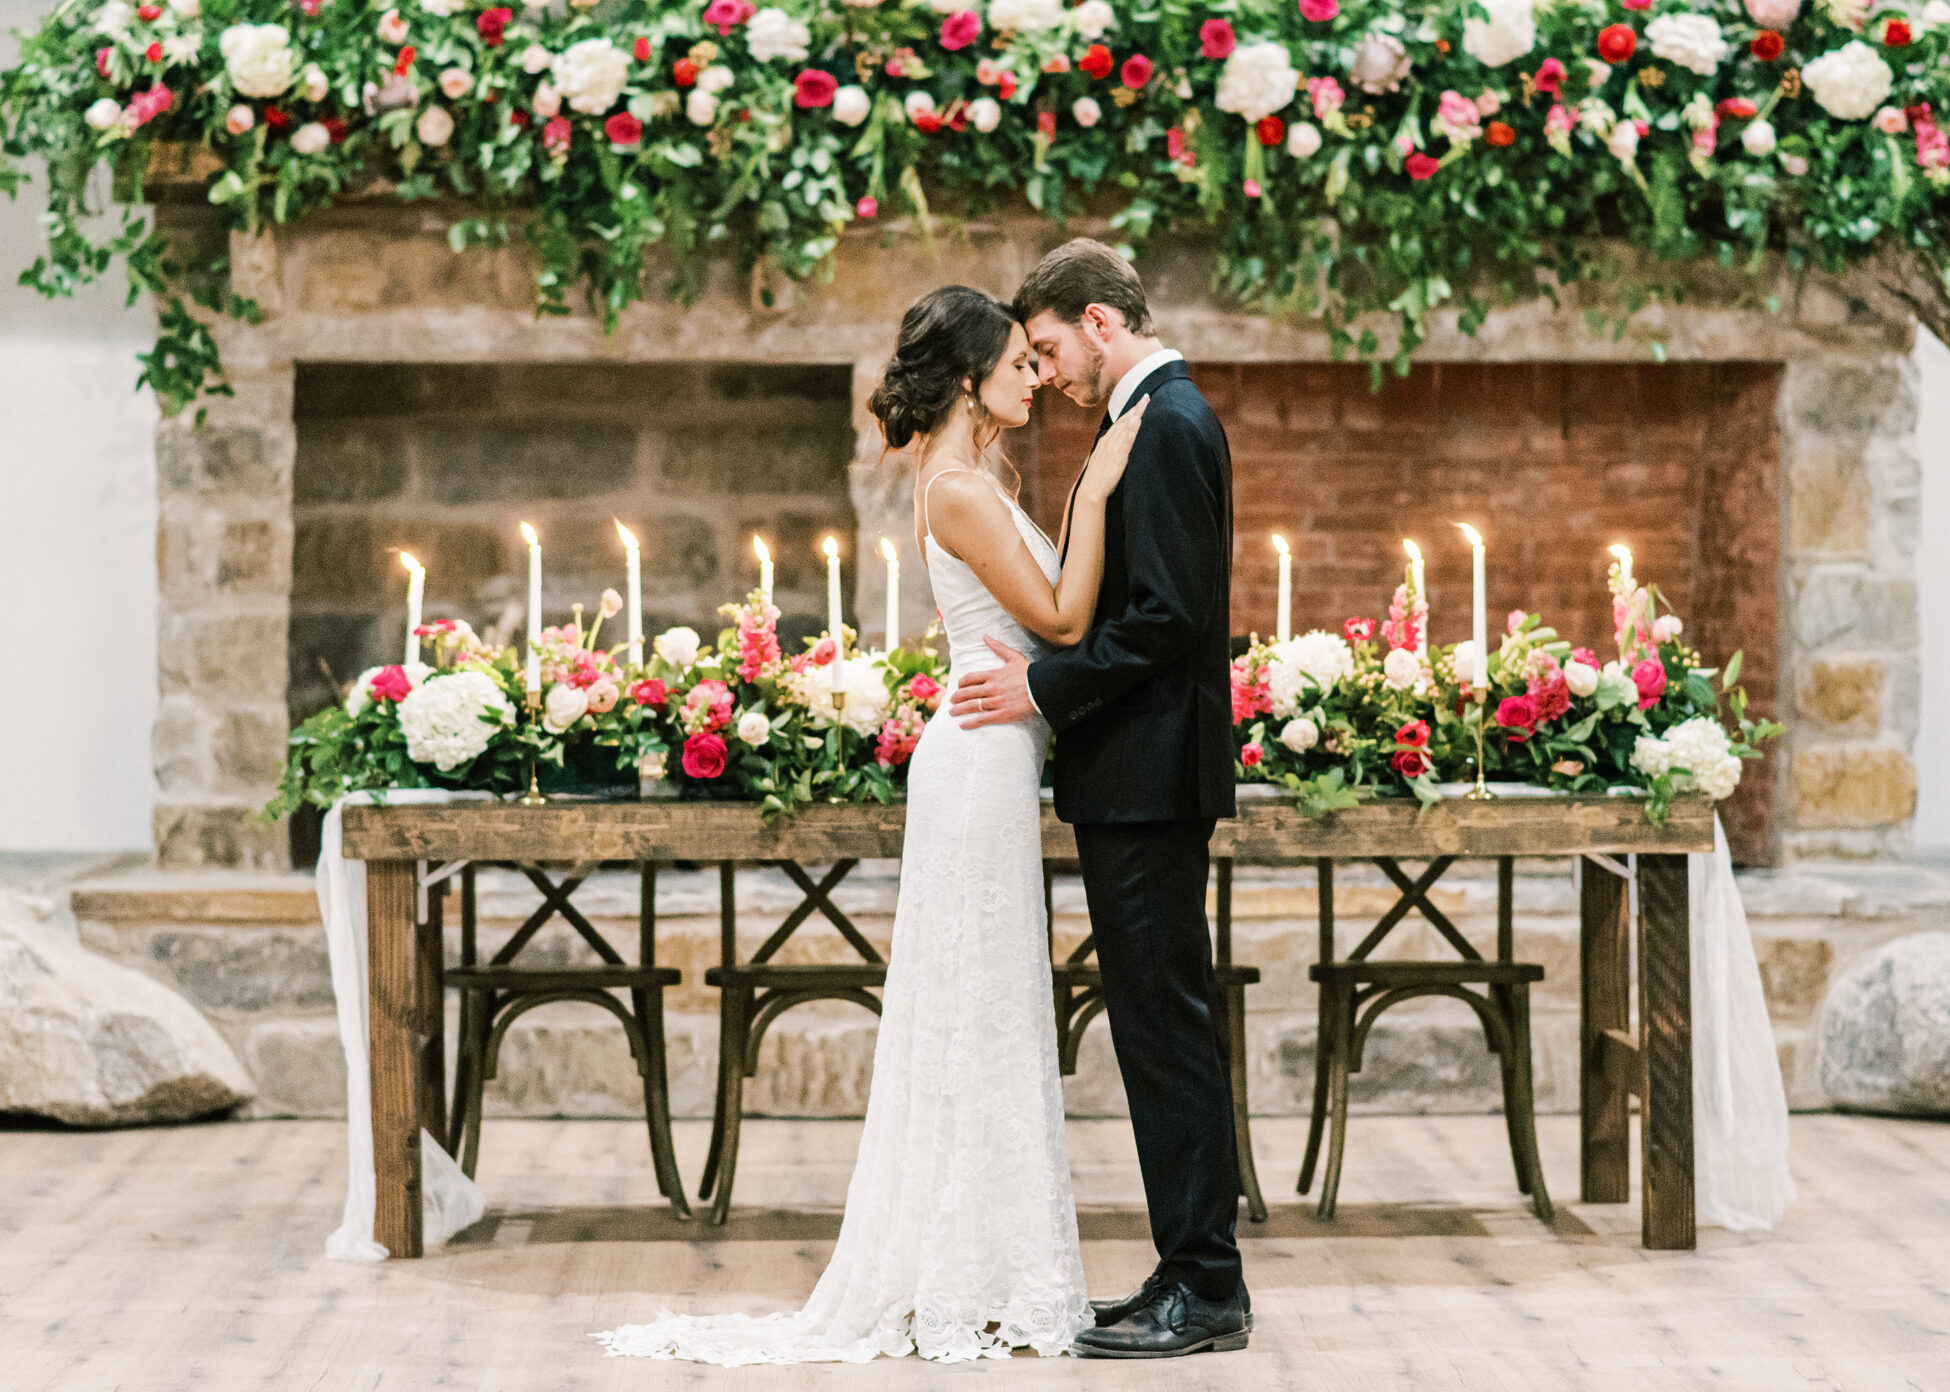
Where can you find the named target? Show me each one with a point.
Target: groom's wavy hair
(950, 336)
(1078, 274)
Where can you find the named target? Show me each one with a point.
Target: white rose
(1581, 679)
(536, 59)
(435, 126)
(590, 75)
(186, 9)
(1773, 14)
(392, 29)
(985, 114)
(258, 58)
(1401, 669)
(1086, 112)
(1890, 121)
(1300, 734)
(772, 33)
(1025, 15)
(1595, 118)
(1758, 138)
(105, 114)
(1256, 81)
(310, 138)
(917, 104)
(239, 119)
(716, 78)
(851, 105)
(1666, 627)
(1796, 165)
(753, 728)
(701, 107)
(677, 646)
(1303, 140)
(450, 719)
(1623, 142)
(548, 101)
(1691, 40)
(563, 706)
(456, 83)
(114, 19)
(1462, 657)
(440, 9)
(1092, 18)
(1851, 82)
(1508, 33)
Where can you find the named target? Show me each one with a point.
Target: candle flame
(758, 548)
(887, 550)
(1279, 544)
(629, 537)
(1475, 538)
(832, 548)
(1414, 551)
(1622, 551)
(406, 559)
(528, 535)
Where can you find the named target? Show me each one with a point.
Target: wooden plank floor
(191, 1259)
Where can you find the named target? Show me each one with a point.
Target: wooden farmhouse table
(408, 847)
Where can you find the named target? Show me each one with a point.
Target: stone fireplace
(396, 395)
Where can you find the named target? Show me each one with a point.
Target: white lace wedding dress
(960, 1235)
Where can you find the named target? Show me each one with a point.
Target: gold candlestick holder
(1481, 792)
(534, 797)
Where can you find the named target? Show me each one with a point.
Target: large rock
(1885, 1029)
(92, 1043)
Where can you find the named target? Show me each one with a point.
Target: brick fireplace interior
(1552, 463)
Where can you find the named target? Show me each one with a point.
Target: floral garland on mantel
(1355, 156)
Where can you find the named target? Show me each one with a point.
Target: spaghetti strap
(927, 528)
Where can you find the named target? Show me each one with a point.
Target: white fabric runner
(449, 1199)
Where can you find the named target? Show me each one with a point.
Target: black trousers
(1145, 882)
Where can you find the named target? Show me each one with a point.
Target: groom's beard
(1088, 388)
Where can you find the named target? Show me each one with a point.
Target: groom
(1143, 720)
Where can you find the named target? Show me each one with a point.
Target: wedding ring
(981, 703)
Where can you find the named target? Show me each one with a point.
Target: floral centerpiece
(1357, 158)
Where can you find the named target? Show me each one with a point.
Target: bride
(960, 1235)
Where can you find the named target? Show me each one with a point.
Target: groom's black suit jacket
(1142, 707)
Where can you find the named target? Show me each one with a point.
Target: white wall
(77, 549)
(1933, 584)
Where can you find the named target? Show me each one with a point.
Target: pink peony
(1550, 697)
(1216, 39)
(704, 756)
(1319, 11)
(1326, 95)
(1650, 678)
(960, 29)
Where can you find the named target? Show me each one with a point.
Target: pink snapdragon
(707, 707)
(1407, 624)
(1249, 693)
(758, 640)
(1326, 95)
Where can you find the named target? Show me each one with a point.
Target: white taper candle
(764, 568)
(1479, 626)
(834, 628)
(633, 593)
(1283, 611)
(534, 607)
(416, 589)
(893, 593)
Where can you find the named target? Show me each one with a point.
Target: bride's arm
(973, 523)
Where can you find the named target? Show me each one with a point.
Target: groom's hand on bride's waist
(996, 696)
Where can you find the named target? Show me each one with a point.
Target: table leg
(430, 995)
(1666, 1049)
(1605, 984)
(396, 1039)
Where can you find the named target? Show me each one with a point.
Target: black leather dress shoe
(1173, 1322)
(1109, 1312)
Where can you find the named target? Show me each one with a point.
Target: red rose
(642, 50)
(1251, 754)
(1767, 45)
(334, 127)
(814, 88)
(650, 693)
(1516, 713)
(101, 60)
(148, 13)
(704, 756)
(1271, 130)
(1735, 106)
(1416, 732)
(1358, 630)
(1006, 88)
(960, 29)
(623, 129)
(1499, 134)
(493, 24)
(1216, 39)
(275, 118)
(392, 684)
(1410, 763)
(153, 53)
(1617, 43)
(1421, 166)
(406, 57)
(1897, 35)
(1550, 77)
(1135, 72)
(684, 73)
(928, 122)
(1650, 678)
(1096, 61)
(519, 119)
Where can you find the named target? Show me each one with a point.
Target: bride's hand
(1113, 452)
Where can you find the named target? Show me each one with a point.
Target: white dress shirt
(1129, 382)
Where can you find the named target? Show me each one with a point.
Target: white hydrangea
(590, 75)
(1508, 33)
(1025, 15)
(677, 646)
(1257, 80)
(1092, 18)
(114, 18)
(1700, 747)
(1850, 82)
(1323, 657)
(868, 702)
(1693, 41)
(1300, 734)
(450, 719)
(772, 33)
(1651, 755)
(259, 59)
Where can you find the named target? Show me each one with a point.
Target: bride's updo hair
(948, 337)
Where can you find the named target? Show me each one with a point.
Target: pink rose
(1550, 77)
(650, 693)
(704, 756)
(1135, 72)
(1216, 39)
(924, 688)
(824, 651)
(1514, 621)
(1252, 753)
(1326, 95)
(726, 15)
(1650, 678)
(1421, 166)
(866, 207)
(1319, 11)
(1516, 713)
(602, 696)
(960, 29)
(814, 88)
(1410, 763)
